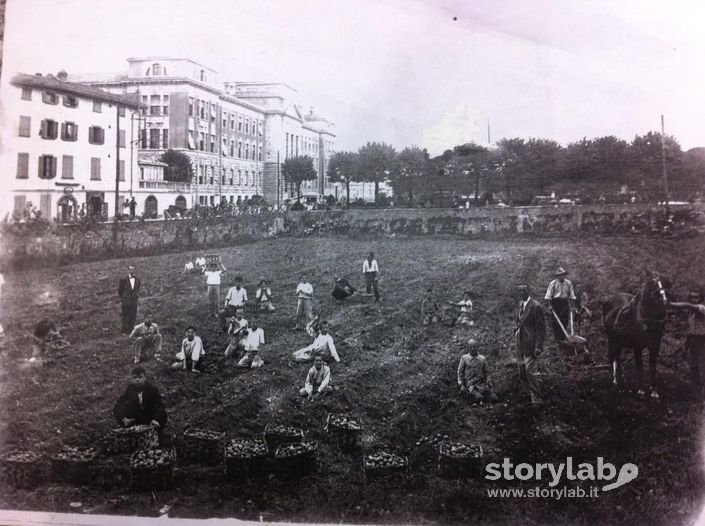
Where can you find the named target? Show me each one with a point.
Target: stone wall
(489, 221)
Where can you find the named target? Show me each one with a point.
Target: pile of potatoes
(458, 450)
(293, 450)
(383, 459)
(345, 422)
(245, 448)
(152, 458)
(76, 454)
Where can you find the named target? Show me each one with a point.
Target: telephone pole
(663, 165)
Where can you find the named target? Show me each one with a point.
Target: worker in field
(322, 345)
(465, 306)
(529, 335)
(148, 340)
(237, 332)
(235, 299)
(140, 404)
(191, 349)
(559, 298)
(370, 269)
(695, 341)
(430, 312)
(342, 289)
(472, 375)
(317, 380)
(304, 295)
(251, 344)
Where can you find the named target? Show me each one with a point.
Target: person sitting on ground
(342, 289)
(189, 268)
(251, 344)
(44, 332)
(140, 404)
(148, 340)
(317, 380)
(472, 375)
(191, 348)
(201, 264)
(322, 346)
(429, 308)
(235, 299)
(465, 317)
(263, 296)
(237, 331)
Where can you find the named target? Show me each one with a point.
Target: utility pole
(117, 161)
(278, 192)
(663, 165)
(489, 137)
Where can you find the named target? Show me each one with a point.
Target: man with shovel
(560, 296)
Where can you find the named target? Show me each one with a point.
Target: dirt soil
(397, 375)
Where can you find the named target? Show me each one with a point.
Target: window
(247, 151)
(239, 149)
(165, 139)
(254, 152)
(202, 76)
(212, 143)
(143, 139)
(191, 141)
(260, 153)
(190, 106)
(200, 174)
(20, 204)
(225, 121)
(22, 165)
(156, 69)
(69, 131)
(95, 169)
(154, 138)
(50, 98)
(67, 167)
(261, 128)
(122, 141)
(26, 93)
(213, 110)
(165, 110)
(202, 109)
(47, 166)
(232, 148)
(155, 110)
(232, 122)
(96, 135)
(222, 179)
(121, 170)
(49, 129)
(247, 125)
(212, 199)
(70, 102)
(239, 124)
(121, 111)
(239, 177)
(202, 141)
(25, 126)
(97, 106)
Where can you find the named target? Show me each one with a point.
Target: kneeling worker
(472, 375)
(140, 404)
(342, 289)
(317, 379)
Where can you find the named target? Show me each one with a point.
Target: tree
(179, 166)
(646, 158)
(513, 159)
(376, 163)
(343, 168)
(412, 163)
(541, 163)
(296, 170)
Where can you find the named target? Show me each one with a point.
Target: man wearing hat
(559, 298)
(529, 333)
(472, 375)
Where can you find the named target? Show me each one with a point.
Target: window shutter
(121, 138)
(25, 126)
(40, 167)
(67, 167)
(75, 132)
(64, 132)
(22, 165)
(121, 172)
(43, 129)
(95, 169)
(20, 204)
(45, 205)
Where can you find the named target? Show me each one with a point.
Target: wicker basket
(276, 435)
(296, 460)
(456, 460)
(23, 469)
(346, 430)
(384, 464)
(202, 446)
(154, 474)
(74, 465)
(129, 439)
(246, 458)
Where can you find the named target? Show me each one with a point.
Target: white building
(64, 145)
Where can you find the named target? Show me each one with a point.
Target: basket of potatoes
(384, 463)
(23, 468)
(122, 440)
(246, 458)
(74, 465)
(347, 431)
(296, 460)
(457, 460)
(276, 435)
(202, 446)
(152, 469)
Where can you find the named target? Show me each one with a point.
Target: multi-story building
(65, 147)
(236, 138)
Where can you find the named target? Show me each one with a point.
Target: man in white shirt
(237, 332)
(304, 293)
(200, 264)
(322, 346)
(370, 270)
(252, 342)
(559, 300)
(235, 299)
(263, 296)
(317, 380)
(189, 268)
(148, 340)
(191, 348)
(465, 317)
(213, 278)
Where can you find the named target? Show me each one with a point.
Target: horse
(636, 322)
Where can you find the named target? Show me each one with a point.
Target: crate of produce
(74, 465)
(383, 464)
(129, 439)
(456, 460)
(23, 469)
(246, 458)
(276, 435)
(202, 446)
(296, 460)
(152, 469)
(346, 430)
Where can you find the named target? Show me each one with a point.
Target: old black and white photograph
(389, 262)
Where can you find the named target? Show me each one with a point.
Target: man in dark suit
(529, 333)
(129, 292)
(140, 404)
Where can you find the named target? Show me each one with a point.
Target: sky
(433, 74)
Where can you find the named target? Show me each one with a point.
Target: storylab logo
(605, 475)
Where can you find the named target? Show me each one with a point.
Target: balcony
(166, 186)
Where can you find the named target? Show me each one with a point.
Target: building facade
(65, 147)
(236, 135)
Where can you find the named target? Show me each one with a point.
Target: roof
(151, 163)
(50, 82)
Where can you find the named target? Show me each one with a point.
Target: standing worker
(370, 270)
(559, 300)
(304, 293)
(213, 279)
(129, 292)
(529, 334)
